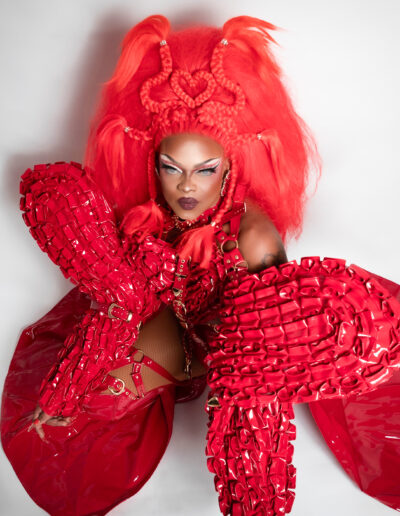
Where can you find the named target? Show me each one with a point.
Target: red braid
(224, 84)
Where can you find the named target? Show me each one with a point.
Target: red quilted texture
(73, 223)
(304, 332)
(250, 453)
(300, 332)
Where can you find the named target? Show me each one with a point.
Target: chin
(188, 214)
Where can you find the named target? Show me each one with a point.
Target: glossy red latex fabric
(109, 451)
(298, 332)
(363, 432)
(72, 222)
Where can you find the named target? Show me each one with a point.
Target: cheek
(211, 185)
(167, 184)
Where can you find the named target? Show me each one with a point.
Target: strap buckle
(114, 391)
(140, 357)
(115, 305)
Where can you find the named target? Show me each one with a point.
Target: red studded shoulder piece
(293, 333)
(72, 222)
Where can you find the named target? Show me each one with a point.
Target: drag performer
(173, 233)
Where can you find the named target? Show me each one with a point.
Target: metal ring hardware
(221, 246)
(213, 402)
(115, 391)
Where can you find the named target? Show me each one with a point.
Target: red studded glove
(72, 222)
(290, 334)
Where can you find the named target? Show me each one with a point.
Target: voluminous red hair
(269, 146)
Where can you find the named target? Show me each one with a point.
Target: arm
(259, 241)
(72, 222)
(317, 329)
(293, 333)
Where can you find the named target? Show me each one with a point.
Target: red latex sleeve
(300, 332)
(250, 454)
(72, 222)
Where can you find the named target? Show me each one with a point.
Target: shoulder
(259, 241)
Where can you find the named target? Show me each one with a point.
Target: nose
(186, 184)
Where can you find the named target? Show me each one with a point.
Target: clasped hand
(40, 418)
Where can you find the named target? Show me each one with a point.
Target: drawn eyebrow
(196, 166)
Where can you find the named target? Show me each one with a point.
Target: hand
(40, 418)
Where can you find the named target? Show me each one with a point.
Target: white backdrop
(341, 60)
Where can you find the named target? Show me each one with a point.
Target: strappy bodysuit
(196, 307)
(197, 292)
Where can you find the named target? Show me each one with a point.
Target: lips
(187, 203)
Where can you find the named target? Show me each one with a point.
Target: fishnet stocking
(160, 340)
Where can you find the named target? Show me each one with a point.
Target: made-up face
(191, 169)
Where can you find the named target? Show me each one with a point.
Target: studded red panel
(73, 223)
(291, 334)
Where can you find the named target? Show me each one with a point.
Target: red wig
(224, 83)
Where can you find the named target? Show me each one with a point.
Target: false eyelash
(212, 170)
(168, 167)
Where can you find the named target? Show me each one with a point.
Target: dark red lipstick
(187, 203)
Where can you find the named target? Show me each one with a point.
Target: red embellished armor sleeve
(72, 222)
(290, 334)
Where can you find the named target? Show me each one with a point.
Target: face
(191, 170)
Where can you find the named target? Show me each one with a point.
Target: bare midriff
(160, 340)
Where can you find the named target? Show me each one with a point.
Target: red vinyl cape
(364, 433)
(105, 457)
(108, 452)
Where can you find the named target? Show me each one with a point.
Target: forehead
(191, 147)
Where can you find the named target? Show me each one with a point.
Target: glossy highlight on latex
(300, 332)
(307, 331)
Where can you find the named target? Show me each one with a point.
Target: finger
(68, 420)
(40, 419)
(35, 415)
(39, 430)
(58, 422)
(37, 426)
(44, 418)
(36, 412)
(35, 421)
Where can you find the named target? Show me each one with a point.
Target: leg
(250, 453)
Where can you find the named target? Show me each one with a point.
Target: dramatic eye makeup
(206, 168)
(169, 168)
(209, 170)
